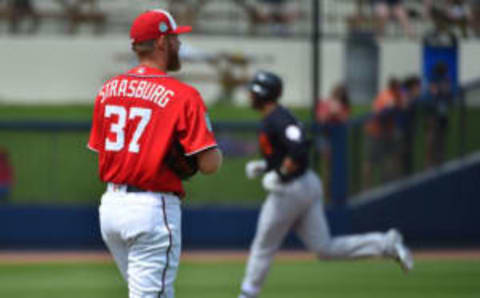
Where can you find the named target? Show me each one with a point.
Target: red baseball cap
(153, 24)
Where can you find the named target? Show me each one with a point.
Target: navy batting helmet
(266, 86)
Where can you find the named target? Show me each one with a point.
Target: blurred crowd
(278, 14)
(24, 17)
(273, 16)
(391, 128)
(462, 16)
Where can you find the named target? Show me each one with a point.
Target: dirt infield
(32, 257)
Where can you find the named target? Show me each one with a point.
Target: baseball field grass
(289, 278)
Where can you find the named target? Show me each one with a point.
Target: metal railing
(427, 145)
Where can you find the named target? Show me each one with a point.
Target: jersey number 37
(118, 128)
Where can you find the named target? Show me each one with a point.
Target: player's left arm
(209, 161)
(197, 137)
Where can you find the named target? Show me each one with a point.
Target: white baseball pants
(299, 205)
(143, 233)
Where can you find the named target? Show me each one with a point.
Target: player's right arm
(96, 140)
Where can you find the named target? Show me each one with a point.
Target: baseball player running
(140, 118)
(295, 195)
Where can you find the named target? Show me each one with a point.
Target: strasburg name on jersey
(138, 89)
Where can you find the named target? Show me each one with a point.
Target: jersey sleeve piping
(92, 149)
(201, 149)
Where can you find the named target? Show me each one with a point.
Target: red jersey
(137, 117)
(6, 171)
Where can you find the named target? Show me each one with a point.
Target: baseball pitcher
(150, 132)
(295, 195)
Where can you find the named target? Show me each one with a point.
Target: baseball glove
(183, 166)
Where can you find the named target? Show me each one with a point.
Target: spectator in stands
(381, 135)
(81, 11)
(20, 10)
(6, 175)
(452, 14)
(438, 100)
(441, 35)
(336, 108)
(255, 17)
(458, 15)
(186, 11)
(278, 14)
(384, 9)
(406, 121)
(330, 112)
(475, 16)
(360, 20)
